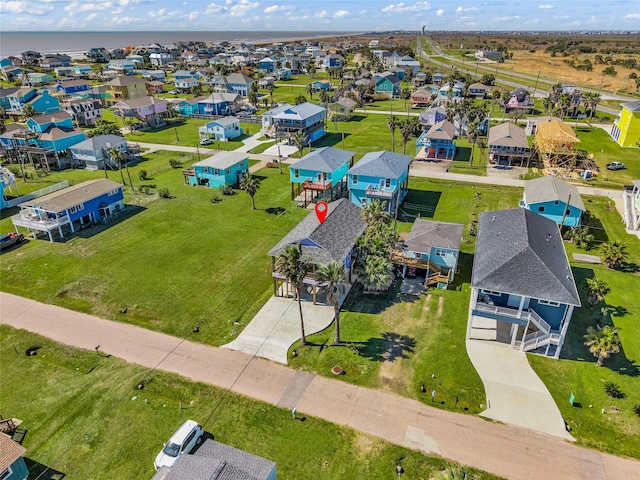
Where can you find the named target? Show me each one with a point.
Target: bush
(15, 170)
(613, 390)
(226, 189)
(636, 409)
(142, 175)
(175, 163)
(215, 198)
(164, 193)
(144, 189)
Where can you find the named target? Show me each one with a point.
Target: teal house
(320, 173)
(437, 142)
(430, 251)
(387, 83)
(554, 199)
(380, 176)
(224, 168)
(56, 131)
(12, 466)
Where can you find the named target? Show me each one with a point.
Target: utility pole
(536, 85)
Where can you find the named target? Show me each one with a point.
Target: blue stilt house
(224, 168)
(379, 176)
(430, 251)
(437, 143)
(71, 208)
(522, 288)
(554, 199)
(320, 174)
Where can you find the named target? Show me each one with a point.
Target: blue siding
(63, 143)
(305, 174)
(450, 260)
(19, 470)
(93, 206)
(216, 177)
(552, 315)
(555, 210)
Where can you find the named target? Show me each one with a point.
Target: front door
(514, 301)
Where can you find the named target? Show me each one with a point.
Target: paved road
(542, 83)
(504, 450)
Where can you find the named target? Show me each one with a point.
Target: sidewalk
(504, 450)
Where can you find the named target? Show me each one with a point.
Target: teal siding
(306, 174)
(19, 470)
(214, 177)
(554, 210)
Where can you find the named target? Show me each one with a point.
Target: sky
(319, 15)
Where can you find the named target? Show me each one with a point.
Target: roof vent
(493, 219)
(548, 237)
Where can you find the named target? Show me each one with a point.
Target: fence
(255, 119)
(38, 193)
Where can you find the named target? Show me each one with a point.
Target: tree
(564, 102)
(377, 275)
(602, 342)
(488, 79)
(331, 275)
(311, 69)
(614, 253)
(392, 123)
(610, 71)
(290, 265)
(271, 88)
(251, 185)
(406, 130)
(117, 157)
(253, 94)
(472, 135)
(376, 212)
(298, 140)
(596, 290)
(29, 111)
(516, 114)
(405, 94)
(580, 237)
(547, 104)
(309, 89)
(300, 99)
(105, 128)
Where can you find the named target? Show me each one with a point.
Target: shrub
(215, 198)
(142, 175)
(175, 163)
(636, 409)
(613, 390)
(164, 193)
(15, 170)
(144, 189)
(226, 189)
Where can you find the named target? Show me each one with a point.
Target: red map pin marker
(321, 211)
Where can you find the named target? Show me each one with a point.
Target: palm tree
(377, 275)
(309, 89)
(614, 253)
(392, 123)
(29, 111)
(331, 274)
(596, 290)
(547, 104)
(405, 94)
(294, 269)
(472, 135)
(298, 141)
(117, 157)
(564, 102)
(602, 342)
(251, 185)
(376, 212)
(406, 130)
(271, 88)
(580, 237)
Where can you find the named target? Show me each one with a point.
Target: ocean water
(76, 43)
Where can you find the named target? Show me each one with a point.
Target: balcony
(37, 222)
(318, 186)
(527, 315)
(379, 193)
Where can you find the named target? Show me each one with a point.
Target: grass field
(85, 419)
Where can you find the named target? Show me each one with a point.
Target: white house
(223, 129)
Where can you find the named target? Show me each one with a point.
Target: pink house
(148, 110)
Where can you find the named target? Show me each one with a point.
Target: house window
(387, 183)
(354, 179)
(567, 212)
(6, 473)
(491, 292)
(556, 202)
(296, 173)
(441, 253)
(540, 209)
(228, 170)
(548, 302)
(363, 202)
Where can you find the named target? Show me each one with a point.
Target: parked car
(183, 441)
(206, 141)
(615, 166)
(8, 240)
(172, 92)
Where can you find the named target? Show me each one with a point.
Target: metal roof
(381, 164)
(325, 159)
(222, 160)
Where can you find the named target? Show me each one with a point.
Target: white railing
(39, 223)
(38, 193)
(539, 339)
(540, 322)
(513, 312)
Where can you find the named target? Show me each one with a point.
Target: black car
(8, 240)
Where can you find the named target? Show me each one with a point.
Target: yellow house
(126, 88)
(626, 128)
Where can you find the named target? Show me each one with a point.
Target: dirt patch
(440, 304)
(364, 445)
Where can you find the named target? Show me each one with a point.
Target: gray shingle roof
(508, 135)
(300, 112)
(426, 234)
(544, 189)
(325, 159)
(327, 242)
(217, 461)
(522, 253)
(633, 106)
(442, 130)
(381, 164)
(222, 160)
(100, 141)
(71, 196)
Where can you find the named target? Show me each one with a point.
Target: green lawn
(614, 431)
(85, 418)
(142, 259)
(424, 335)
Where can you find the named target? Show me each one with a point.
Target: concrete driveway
(515, 394)
(277, 326)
